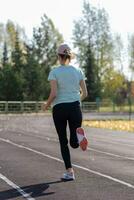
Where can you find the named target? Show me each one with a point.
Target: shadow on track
(37, 190)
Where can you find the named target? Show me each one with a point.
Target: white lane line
(112, 142)
(89, 148)
(111, 154)
(75, 165)
(16, 187)
(95, 150)
(27, 148)
(105, 176)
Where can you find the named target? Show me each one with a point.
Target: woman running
(68, 89)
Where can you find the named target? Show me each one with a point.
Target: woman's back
(68, 83)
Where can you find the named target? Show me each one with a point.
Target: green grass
(116, 108)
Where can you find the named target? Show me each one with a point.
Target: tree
(11, 77)
(24, 66)
(1, 42)
(131, 52)
(8, 35)
(5, 55)
(114, 85)
(10, 85)
(32, 75)
(92, 81)
(92, 37)
(119, 52)
(17, 65)
(103, 42)
(46, 39)
(11, 34)
(17, 61)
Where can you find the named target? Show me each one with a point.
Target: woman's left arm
(52, 96)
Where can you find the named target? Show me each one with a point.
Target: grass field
(112, 108)
(121, 125)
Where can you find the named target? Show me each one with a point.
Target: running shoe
(83, 142)
(68, 176)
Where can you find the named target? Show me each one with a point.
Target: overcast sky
(27, 13)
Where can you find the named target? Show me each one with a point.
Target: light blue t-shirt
(68, 87)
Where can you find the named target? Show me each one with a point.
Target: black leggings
(71, 113)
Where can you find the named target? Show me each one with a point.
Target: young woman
(66, 82)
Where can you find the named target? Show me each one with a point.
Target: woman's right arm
(83, 87)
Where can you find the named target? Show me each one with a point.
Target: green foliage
(93, 27)
(114, 86)
(131, 52)
(11, 34)
(32, 76)
(92, 39)
(92, 81)
(119, 53)
(11, 84)
(46, 40)
(8, 35)
(5, 55)
(25, 66)
(17, 60)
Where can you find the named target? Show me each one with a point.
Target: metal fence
(35, 107)
(20, 106)
(107, 106)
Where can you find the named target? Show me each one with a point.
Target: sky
(27, 13)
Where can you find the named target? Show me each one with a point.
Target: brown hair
(65, 56)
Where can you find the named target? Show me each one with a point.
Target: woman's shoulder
(70, 67)
(54, 69)
(76, 68)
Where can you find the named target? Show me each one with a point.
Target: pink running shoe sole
(84, 142)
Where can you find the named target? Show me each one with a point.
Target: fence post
(113, 107)
(98, 107)
(6, 107)
(36, 107)
(98, 103)
(130, 108)
(22, 106)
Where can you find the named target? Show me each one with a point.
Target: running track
(31, 164)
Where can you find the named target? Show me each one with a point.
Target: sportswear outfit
(66, 107)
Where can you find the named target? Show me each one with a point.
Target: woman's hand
(83, 89)
(44, 107)
(52, 95)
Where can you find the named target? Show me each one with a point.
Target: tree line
(25, 65)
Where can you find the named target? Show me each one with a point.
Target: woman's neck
(65, 62)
